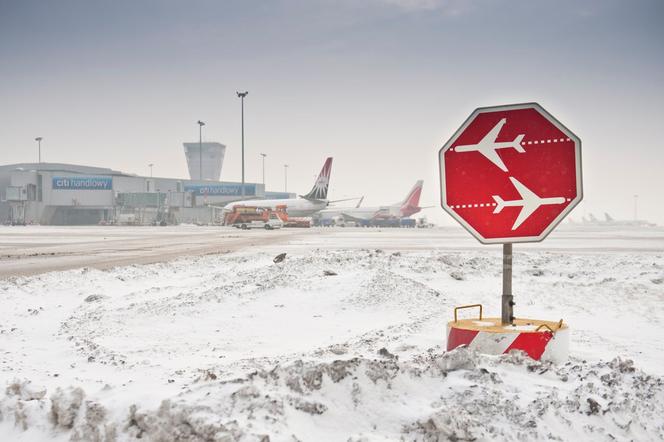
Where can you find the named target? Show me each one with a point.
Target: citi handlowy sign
(220, 189)
(82, 183)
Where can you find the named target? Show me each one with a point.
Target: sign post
(507, 310)
(510, 174)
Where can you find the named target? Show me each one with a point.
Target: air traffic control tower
(204, 160)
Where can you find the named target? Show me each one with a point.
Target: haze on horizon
(379, 85)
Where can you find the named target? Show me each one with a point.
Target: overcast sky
(379, 85)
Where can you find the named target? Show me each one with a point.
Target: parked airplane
(305, 205)
(488, 145)
(405, 208)
(529, 202)
(609, 221)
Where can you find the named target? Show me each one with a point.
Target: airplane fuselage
(368, 213)
(538, 202)
(294, 206)
(365, 213)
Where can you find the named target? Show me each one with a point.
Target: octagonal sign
(511, 173)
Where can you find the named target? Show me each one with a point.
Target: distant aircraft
(403, 209)
(609, 221)
(305, 205)
(488, 145)
(529, 202)
(620, 222)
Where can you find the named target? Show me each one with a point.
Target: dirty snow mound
(456, 395)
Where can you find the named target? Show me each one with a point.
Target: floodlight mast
(285, 177)
(39, 140)
(263, 155)
(200, 149)
(241, 95)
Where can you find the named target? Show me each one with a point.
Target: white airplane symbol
(487, 146)
(529, 202)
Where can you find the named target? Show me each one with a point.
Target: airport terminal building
(68, 194)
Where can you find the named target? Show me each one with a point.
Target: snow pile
(456, 395)
(328, 345)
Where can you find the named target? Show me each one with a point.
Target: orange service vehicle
(290, 221)
(248, 216)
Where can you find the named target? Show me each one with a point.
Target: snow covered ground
(29, 250)
(234, 347)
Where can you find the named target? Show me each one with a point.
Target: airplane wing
(530, 202)
(526, 193)
(490, 138)
(339, 201)
(526, 211)
(356, 218)
(492, 155)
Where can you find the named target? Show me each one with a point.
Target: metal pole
(242, 105)
(508, 300)
(263, 155)
(150, 165)
(242, 95)
(285, 177)
(38, 140)
(200, 152)
(200, 149)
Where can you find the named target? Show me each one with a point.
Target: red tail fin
(411, 204)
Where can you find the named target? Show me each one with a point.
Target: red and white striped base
(488, 336)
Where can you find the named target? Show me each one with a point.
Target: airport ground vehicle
(298, 222)
(289, 221)
(408, 222)
(386, 222)
(252, 217)
(272, 222)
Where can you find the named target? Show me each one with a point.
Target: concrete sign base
(541, 340)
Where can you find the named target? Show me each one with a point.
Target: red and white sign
(539, 345)
(511, 173)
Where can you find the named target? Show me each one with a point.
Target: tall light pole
(38, 140)
(263, 155)
(241, 95)
(150, 166)
(200, 149)
(285, 177)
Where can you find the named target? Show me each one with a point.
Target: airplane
(402, 209)
(305, 205)
(609, 221)
(488, 145)
(529, 202)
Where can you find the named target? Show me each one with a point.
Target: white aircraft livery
(306, 205)
(405, 208)
(488, 145)
(529, 202)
